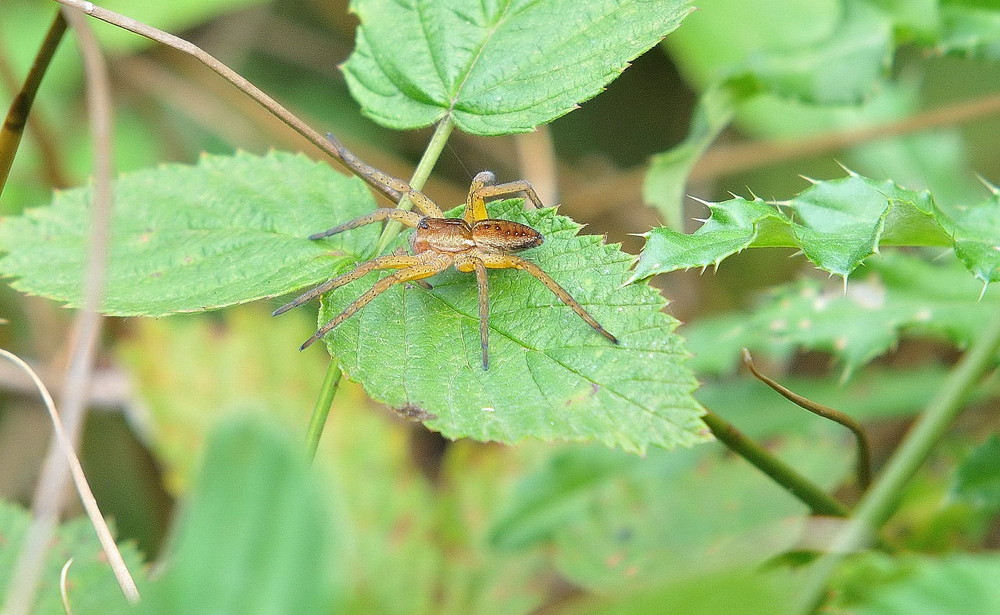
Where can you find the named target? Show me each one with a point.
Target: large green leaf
(837, 225)
(256, 535)
(496, 67)
(189, 238)
(92, 589)
(551, 376)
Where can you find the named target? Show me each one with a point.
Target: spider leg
(390, 186)
(483, 188)
(472, 263)
(396, 261)
(408, 218)
(505, 261)
(423, 268)
(484, 312)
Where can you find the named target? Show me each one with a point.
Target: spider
(472, 243)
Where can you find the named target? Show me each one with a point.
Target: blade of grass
(17, 115)
(65, 445)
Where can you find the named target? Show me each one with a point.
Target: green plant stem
(877, 505)
(322, 409)
(333, 372)
(819, 501)
(420, 175)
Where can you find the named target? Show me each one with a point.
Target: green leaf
(904, 296)
(495, 67)
(825, 52)
(977, 478)
(970, 27)
(92, 586)
(612, 521)
(230, 230)
(843, 68)
(551, 376)
(837, 224)
(958, 583)
(256, 535)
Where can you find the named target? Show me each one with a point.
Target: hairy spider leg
(472, 263)
(427, 265)
(392, 261)
(507, 261)
(483, 188)
(408, 218)
(392, 187)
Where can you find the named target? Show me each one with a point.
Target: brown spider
(472, 243)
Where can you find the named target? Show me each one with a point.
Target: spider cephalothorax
(472, 243)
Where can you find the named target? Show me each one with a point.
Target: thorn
(809, 179)
(982, 293)
(846, 170)
(989, 186)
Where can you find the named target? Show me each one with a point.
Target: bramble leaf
(551, 376)
(496, 67)
(837, 224)
(190, 238)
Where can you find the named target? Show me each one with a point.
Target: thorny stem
(863, 466)
(819, 501)
(17, 115)
(877, 505)
(333, 372)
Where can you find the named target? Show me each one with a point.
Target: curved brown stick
(863, 467)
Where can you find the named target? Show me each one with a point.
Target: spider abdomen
(504, 236)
